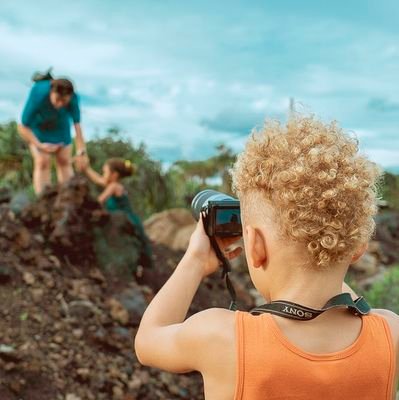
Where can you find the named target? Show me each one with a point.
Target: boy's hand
(201, 249)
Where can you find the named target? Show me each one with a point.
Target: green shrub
(390, 190)
(385, 293)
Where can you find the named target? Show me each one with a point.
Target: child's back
(340, 357)
(335, 356)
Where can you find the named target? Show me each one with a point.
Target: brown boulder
(171, 228)
(367, 264)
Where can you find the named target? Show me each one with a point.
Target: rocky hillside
(71, 302)
(72, 295)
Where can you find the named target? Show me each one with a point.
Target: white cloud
(158, 70)
(363, 134)
(385, 157)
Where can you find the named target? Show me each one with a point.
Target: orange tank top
(272, 368)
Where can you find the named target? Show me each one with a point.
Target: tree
(15, 161)
(194, 176)
(390, 190)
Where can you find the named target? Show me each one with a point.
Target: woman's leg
(41, 169)
(63, 159)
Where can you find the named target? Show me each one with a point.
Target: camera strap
(226, 268)
(289, 309)
(292, 310)
(285, 308)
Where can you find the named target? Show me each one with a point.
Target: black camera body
(221, 213)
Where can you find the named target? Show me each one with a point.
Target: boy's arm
(164, 339)
(393, 322)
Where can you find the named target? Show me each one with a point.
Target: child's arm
(84, 166)
(164, 339)
(94, 176)
(108, 192)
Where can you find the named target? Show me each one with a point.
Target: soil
(67, 323)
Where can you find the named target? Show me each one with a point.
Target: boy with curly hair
(308, 199)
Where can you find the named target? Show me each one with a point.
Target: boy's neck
(305, 287)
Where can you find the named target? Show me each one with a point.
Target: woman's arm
(81, 156)
(80, 143)
(29, 137)
(31, 108)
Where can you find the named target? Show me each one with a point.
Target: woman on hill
(114, 197)
(45, 126)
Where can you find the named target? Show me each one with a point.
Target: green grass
(385, 293)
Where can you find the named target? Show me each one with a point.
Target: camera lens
(202, 198)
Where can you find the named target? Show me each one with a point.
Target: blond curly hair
(322, 192)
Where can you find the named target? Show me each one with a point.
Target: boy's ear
(257, 254)
(359, 252)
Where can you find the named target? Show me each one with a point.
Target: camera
(221, 213)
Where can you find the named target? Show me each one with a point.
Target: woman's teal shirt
(50, 125)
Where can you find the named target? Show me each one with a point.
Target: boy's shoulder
(392, 320)
(211, 330)
(211, 334)
(214, 321)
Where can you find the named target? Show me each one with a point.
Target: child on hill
(307, 205)
(114, 197)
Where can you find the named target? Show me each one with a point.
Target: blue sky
(183, 76)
